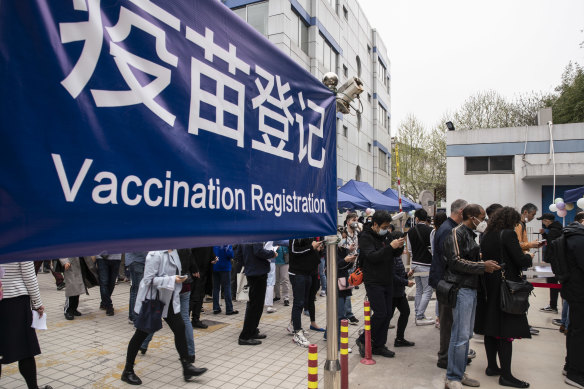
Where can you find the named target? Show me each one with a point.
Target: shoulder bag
(514, 294)
(447, 292)
(150, 317)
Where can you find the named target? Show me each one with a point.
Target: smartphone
(183, 277)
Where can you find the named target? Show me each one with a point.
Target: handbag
(447, 293)
(242, 288)
(150, 317)
(514, 294)
(344, 284)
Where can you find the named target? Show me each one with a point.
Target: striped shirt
(20, 280)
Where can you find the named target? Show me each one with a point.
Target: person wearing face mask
(528, 212)
(351, 243)
(553, 230)
(498, 327)
(463, 267)
(377, 251)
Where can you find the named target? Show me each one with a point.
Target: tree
(569, 105)
(422, 158)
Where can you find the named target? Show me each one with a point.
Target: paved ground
(89, 352)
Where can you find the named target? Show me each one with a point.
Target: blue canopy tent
(573, 195)
(365, 192)
(347, 201)
(407, 205)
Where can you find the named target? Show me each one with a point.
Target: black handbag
(150, 317)
(447, 293)
(514, 294)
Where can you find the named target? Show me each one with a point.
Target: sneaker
(563, 329)
(424, 321)
(452, 384)
(467, 381)
(276, 299)
(271, 310)
(574, 380)
(533, 331)
(353, 320)
(300, 339)
(349, 350)
(306, 313)
(130, 321)
(286, 302)
(290, 328)
(322, 293)
(549, 309)
(565, 370)
(61, 286)
(557, 322)
(472, 354)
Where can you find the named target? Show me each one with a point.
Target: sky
(442, 52)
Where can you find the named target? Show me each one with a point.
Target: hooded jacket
(554, 232)
(376, 256)
(573, 288)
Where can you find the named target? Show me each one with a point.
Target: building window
(299, 34)
(256, 15)
(329, 56)
(369, 97)
(382, 160)
(346, 12)
(359, 121)
(345, 71)
(382, 116)
(368, 49)
(358, 173)
(382, 71)
(493, 164)
(369, 147)
(358, 60)
(345, 131)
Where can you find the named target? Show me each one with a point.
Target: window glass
(477, 164)
(257, 16)
(295, 30)
(382, 160)
(502, 163)
(358, 60)
(303, 36)
(241, 12)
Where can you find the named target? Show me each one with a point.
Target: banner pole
(332, 366)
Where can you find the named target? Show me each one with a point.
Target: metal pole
(332, 366)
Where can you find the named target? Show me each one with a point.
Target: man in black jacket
(204, 258)
(554, 231)
(256, 263)
(573, 292)
(463, 267)
(376, 255)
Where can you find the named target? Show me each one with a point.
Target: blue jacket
(225, 254)
(438, 264)
(256, 260)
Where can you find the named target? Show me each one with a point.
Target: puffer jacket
(463, 264)
(376, 256)
(573, 289)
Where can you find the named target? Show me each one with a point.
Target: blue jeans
(185, 299)
(301, 293)
(565, 314)
(423, 291)
(463, 317)
(322, 274)
(136, 275)
(348, 307)
(222, 279)
(108, 274)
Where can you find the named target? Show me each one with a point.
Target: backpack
(559, 259)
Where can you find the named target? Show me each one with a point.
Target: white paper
(39, 323)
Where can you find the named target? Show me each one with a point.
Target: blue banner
(143, 124)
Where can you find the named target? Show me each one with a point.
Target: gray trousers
(445, 330)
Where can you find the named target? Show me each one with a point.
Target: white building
(334, 35)
(514, 166)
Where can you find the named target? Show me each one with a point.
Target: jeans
(322, 274)
(463, 316)
(255, 305)
(423, 291)
(301, 293)
(381, 300)
(185, 299)
(222, 280)
(348, 307)
(136, 275)
(565, 314)
(108, 274)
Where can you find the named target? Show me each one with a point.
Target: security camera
(347, 92)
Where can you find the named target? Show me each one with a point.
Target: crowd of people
(470, 253)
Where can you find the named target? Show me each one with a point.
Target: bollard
(344, 354)
(313, 366)
(368, 360)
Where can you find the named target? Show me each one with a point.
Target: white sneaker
(300, 339)
(467, 381)
(349, 350)
(425, 322)
(270, 310)
(322, 293)
(290, 328)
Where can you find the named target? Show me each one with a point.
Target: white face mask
(382, 232)
(481, 227)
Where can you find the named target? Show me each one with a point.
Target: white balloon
(559, 200)
(580, 203)
(553, 208)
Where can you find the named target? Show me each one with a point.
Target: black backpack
(559, 259)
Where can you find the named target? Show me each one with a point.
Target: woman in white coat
(161, 271)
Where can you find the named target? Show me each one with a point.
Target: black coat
(376, 256)
(554, 232)
(400, 278)
(490, 320)
(573, 288)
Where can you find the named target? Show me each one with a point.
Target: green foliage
(568, 107)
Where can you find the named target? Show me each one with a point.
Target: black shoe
(130, 377)
(46, 387)
(102, 307)
(493, 371)
(361, 348)
(191, 359)
(402, 343)
(514, 383)
(189, 371)
(109, 311)
(69, 316)
(143, 350)
(216, 311)
(259, 336)
(442, 364)
(248, 342)
(232, 312)
(574, 380)
(61, 286)
(468, 361)
(199, 324)
(353, 320)
(276, 299)
(383, 351)
(286, 302)
(77, 313)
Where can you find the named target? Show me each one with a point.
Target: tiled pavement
(89, 352)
